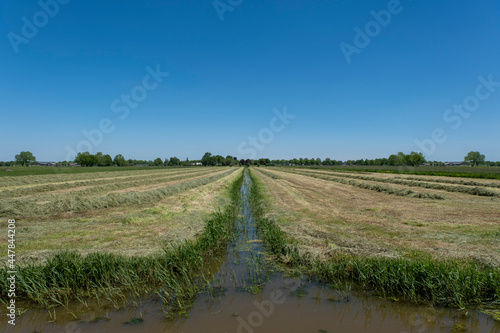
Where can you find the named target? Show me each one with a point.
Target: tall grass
(417, 278)
(174, 275)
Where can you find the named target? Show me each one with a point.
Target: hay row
(375, 187)
(79, 203)
(459, 188)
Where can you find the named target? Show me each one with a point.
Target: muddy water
(247, 296)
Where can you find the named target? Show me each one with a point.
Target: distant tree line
(26, 158)
(87, 159)
(209, 159)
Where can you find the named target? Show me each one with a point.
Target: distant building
(455, 163)
(44, 163)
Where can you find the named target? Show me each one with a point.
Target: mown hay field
(329, 213)
(133, 212)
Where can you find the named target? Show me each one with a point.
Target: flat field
(329, 212)
(457, 171)
(131, 212)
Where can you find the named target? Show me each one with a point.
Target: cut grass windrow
(97, 185)
(452, 181)
(77, 203)
(92, 174)
(418, 278)
(460, 172)
(456, 188)
(372, 187)
(175, 276)
(269, 174)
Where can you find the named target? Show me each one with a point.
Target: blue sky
(227, 76)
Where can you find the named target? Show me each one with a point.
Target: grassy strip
(71, 276)
(98, 185)
(420, 278)
(374, 187)
(462, 172)
(456, 188)
(77, 203)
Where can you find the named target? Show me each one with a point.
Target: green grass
(175, 276)
(416, 278)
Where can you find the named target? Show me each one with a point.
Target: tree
(174, 161)
(415, 159)
(25, 158)
(207, 159)
(86, 159)
(474, 158)
(119, 160)
(103, 160)
(230, 160)
(158, 162)
(106, 160)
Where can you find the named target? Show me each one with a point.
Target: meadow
(16, 171)
(440, 246)
(106, 234)
(129, 212)
(455, 171)
(386, 215)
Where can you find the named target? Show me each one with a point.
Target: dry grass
(129, 230)
(100, 197)
(68, 178)
(329, 218)
(80, 184)
(447, 185)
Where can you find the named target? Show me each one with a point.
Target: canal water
(248, 295)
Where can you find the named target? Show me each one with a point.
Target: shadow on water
(247, 295)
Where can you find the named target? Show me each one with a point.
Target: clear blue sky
(226, 77)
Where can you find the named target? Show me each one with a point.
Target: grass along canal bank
(174, 276)
(419, 278)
